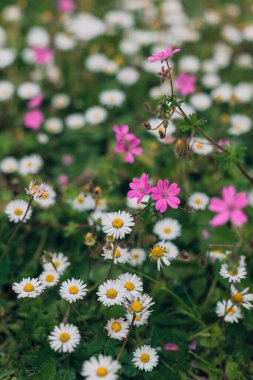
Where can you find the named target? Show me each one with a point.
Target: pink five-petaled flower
(163, 55)
(42, 55)
(67, 6)
(35, 102)
(130, 146)
(121, 131)
(165, 195)
(33, 119)
(140, 187)
(185, 83)
(229, 207)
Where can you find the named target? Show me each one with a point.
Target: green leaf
(46, 372)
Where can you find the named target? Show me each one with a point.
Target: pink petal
(242, 200)
(228, 194)
(161, 205)
(220, 219)
(217, 205)
(238, 218)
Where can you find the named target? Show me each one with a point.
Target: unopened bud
(89, 239)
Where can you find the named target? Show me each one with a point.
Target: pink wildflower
(35, 102)
(229, 208)
(140, 187)
(67, 6)
(121, 131)
(185, 83)
(62, 179)
(165, 195)
(130, 146)
(33, 119)
(171, 347)
(163, 55)
(43, 55)
(223, 143)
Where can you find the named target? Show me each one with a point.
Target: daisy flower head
(201, 146)
(30, 164)
(9, 165)
(139, 187)
(64, 338)
(241, 298)
(139, 304)
(231, 312)
(163, 55)
(234, 275)
(59, 263)
(167, 229)
(137, 256)
(118, 254)
(83, 202)
(47, 197)
(17, 211)
(164, 195)
(140, 319)
(36, 191)
(103, 367)
(163, 253)
(117, 328)
(132, 283)
(198, 201)
(49, 277)
(73, 290)
(217, 254)
(145, 358)
(132, 202)
(111, 293)
(28, 288)
(117, 224)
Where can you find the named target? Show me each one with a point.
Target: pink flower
(171, 347)
(67, 6)
(163, 55)
(205, 234)
(130, 146)
(185, 83)
(121, 131)
(62, 179)
(67, 159)
(140, 187)
(43, 55)
(222, 143)
(33, 119)
(165, 195)
(35, 102)
(229, 208)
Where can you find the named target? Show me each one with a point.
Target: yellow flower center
(117, 223)
(116, 326)
(73, 289)
(100, 202)
(145, 358)
(157, 252)
(198, 201)
(56, 264)
(117, 252)
(136, 255)
(80, 199)
(64, 337)
(18, 211)
(237, 298)
(136, 306)
(102, 371)
(230, 310)
(217, 252)
(167, 230)
(129, 285)
(49, 278)
(233, 273)
(199, 145)
(28, 287)
(137, 318)
(111, 293)
(44, 195)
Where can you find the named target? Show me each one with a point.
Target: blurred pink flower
(185, 83)
(62, 179)
(165, 195)
(229, 208)
(33, 119)
(43, 55)
(171, 347)
(121, 131)
(35, 102)
(205, 234)
(67, 6)
(222, 143)
(130, 146)
(163, 55)
(140, 187)
(67, 159)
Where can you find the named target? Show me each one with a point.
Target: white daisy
(140, 319)
(233, 275)
(138, 304)
(64, 338)
(132, 283)
(30, 164)
(103, 367)
(101, 204)
(28, 287)
(198, 201)
(28, 90)
(241, 298)
(6, 90)
(118, 224)
(163, 253)
(83, 202)
(53, 125)
(16, 210)
(145, 358)
(167, 229)
(75, 121)
(232, 312)
(59, 263)
(111, 293)
(47, 198)
(217, 254)
(117, 328)
(138, 256)
(112, 98)
(201, 146)
(128, 76)
(96, 218)
(60, 101)
(201, 101)
(119, 254)
(73, 290)
(95, 115)
(9, 165)
(132, 203)
(239, 124)
(49, 277)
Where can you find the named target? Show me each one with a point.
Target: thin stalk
(126, 338)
